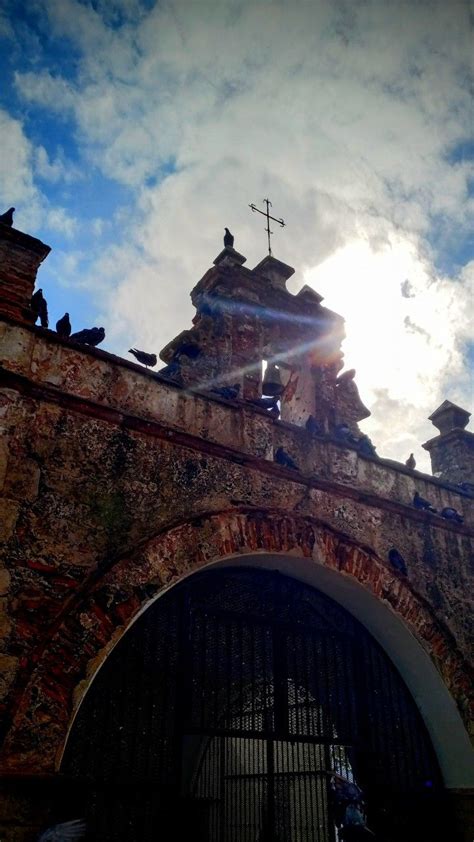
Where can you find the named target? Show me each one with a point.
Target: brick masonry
(115, 483)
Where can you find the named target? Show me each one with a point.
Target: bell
(272, 384)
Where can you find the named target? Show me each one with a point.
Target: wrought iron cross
(267, 214)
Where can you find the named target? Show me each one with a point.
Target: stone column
(20, 257)
(452, 451)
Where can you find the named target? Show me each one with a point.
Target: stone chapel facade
(120, 487)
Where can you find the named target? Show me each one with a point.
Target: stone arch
(298, 546)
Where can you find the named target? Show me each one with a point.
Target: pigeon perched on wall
(420, 503)
(451, 514)
(228, 239)
(228, 392)
(89, 336)
(411, 462)
(313, 426)
(143, 357)
(283, 458)
(39, 307)
(65, 832)
(63, 326)
(7, 217)
(397, 561)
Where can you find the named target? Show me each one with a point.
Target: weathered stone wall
(452, 456)
(114, 484)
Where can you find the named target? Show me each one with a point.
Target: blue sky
(133, 132)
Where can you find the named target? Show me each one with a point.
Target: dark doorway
(244, 706)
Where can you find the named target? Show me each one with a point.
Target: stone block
(9, 510)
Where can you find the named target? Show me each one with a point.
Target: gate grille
(227, 710)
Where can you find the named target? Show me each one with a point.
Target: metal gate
(238, 708)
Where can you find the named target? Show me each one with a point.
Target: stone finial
(20, 257)
(276, 271)
(452, 451)
(449, 417)
(229, 257)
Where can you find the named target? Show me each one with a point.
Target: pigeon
(366, 447)
(39, 306)
(228, 392)
(313, 426)
(397, 561)
(283, 458)
(64, 832)
(420, 503)
(143, 357)
(228, 239)
(411, 462)
(89, 336)
(63, 327)
(7, 217)
(451, 514)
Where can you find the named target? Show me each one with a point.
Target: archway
(232, 708)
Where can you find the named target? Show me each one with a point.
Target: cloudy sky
(133, 131)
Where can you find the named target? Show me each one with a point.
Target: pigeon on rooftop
(420, 503)
(63, 326)
(65, 832)
(283, 458)
(143, 357)
(89, 336)
(451, 514)
(397, 561)
(228, 239)
(411, 462)
(39, 306)
(7, 217)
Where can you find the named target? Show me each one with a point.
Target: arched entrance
(241, 707)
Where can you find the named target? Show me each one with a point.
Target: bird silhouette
(411, 462)
(39, 306)
(397, 561)
(451, 514)
(420, 503)
(313, 426)
(89, 336)
(283, 458)
(63, 326)
(7, 217)
(143, 357)
(228, 239)
(228, 392)
(65, 832)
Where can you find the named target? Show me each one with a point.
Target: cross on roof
(267, 214)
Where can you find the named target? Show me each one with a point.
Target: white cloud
(18, 164)
(344, 114)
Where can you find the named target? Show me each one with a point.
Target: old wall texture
(115, 483)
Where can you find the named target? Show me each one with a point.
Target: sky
(133, 131)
